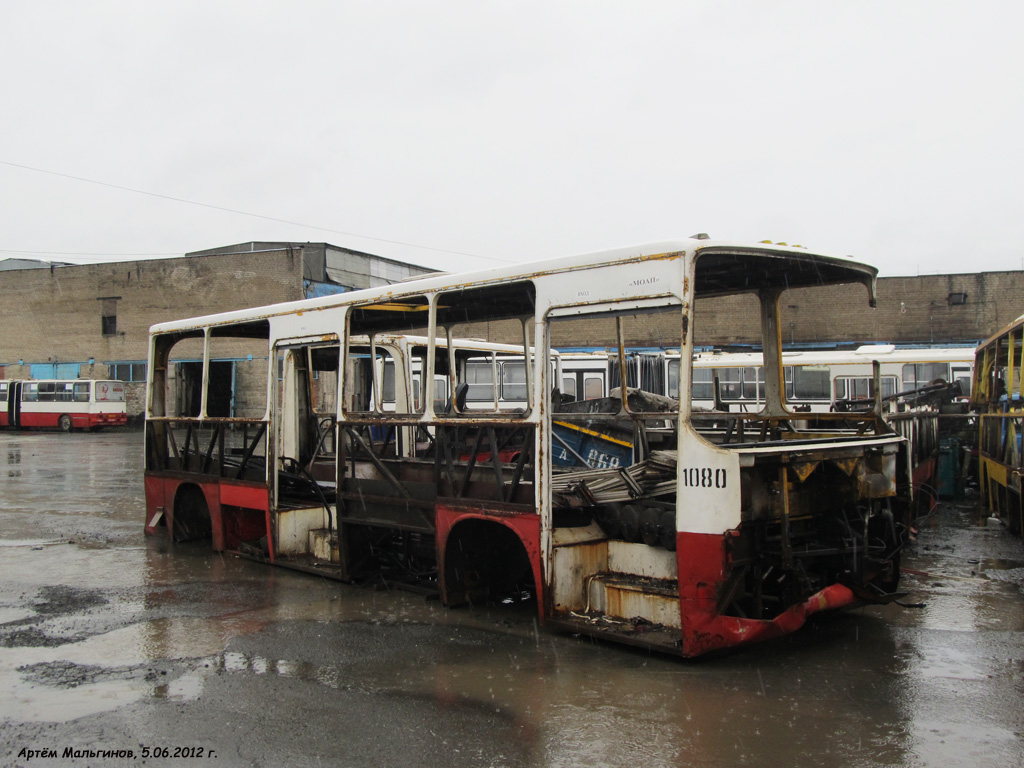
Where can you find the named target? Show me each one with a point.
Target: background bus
(824, 380)
(820, 380)
(62, 404)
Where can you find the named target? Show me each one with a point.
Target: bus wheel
(64, 423)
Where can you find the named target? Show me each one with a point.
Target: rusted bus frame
(649, 278)
(999, 403)
(998, 433)
(769, 428)
(453, 463)
(191, 448)
(1001, 466)
(1004, 349)
(921, 428)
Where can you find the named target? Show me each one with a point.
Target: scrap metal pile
(647, 479)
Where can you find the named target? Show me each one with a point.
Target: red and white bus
(62, 404)
(337, 449)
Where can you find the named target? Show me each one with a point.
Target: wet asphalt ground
(126, 651)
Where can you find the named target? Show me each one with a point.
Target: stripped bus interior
(387, 447)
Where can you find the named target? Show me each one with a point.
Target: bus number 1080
(704, 477)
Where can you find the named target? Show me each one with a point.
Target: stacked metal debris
(647, 479)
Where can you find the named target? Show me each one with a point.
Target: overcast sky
(467, 134)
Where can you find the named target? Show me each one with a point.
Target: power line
(245, 213)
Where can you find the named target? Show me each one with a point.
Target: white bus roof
(781, 266)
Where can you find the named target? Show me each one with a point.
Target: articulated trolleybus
(62, 404)
(630, 516)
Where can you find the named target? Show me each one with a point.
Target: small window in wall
(127, 371)
(108, 315)
(957, 298)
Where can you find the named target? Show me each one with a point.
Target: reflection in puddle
(327, 674)
(9, 614)
(185, 688)
(65, 693)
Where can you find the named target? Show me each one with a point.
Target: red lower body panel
(239, 512)
(925, 483)
(702, 562)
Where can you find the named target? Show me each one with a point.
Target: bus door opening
(14, 404)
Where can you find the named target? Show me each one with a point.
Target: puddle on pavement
(879, 686)
(32, 543)
(110, 670)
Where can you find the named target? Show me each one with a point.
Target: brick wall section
(910, 310)
(54, 315)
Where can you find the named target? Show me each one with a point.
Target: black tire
(64, 423)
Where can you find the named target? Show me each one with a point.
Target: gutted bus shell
(632, 517)
(997, 396)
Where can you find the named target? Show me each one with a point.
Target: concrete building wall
(57, 316)
(931, 309)
(93, 320)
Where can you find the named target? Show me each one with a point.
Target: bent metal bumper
(702, 571)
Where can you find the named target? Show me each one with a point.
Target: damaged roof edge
(723, 270)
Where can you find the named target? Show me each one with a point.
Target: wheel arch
(481, 554)
(191, 518)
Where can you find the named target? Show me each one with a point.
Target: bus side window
(730, 383)
(808, 382)
(513, 382)
(593, 386)
(480, 379)
(917, 375)
(703, 384)
(673, 379)
(963, 377)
